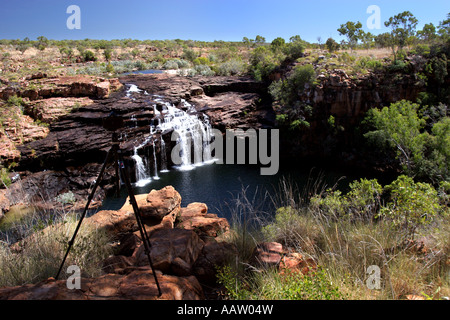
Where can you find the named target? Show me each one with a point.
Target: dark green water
(219, 185)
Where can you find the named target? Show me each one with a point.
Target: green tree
(259, 40)
(400, 127)
(189, 54)
(42, 43)
(412, 204)
(403, 29)
(89, 56)
(278, 44)
(352, 31)
(428, 33)
(295, 48)
(383, 40)
(444, 28)
(367, 39)
(248, 43)
(441, 152)
(332, 45)
(107, 53)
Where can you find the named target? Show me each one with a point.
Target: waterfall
(142, 178)
(134, 120)
(155, 163)
(163, 156)
(131, 89)
(194, 137)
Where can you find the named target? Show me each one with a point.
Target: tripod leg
(91, 196)
(143, 232)
(116, 170)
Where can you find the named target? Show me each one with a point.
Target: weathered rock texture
(136, 284)
(184, 259)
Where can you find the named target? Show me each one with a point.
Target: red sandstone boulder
(214, 254)
(114, 223)
(267, 254)
(196, 217)
(138, 284)
(173, 251)
(296, 262)
(160, 203)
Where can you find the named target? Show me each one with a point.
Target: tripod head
(113, 122)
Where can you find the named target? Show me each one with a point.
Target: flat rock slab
(139, 284)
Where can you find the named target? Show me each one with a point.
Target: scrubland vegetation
(402, 227)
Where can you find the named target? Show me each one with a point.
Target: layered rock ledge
(185, 250)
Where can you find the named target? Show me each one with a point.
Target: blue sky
(206, 20)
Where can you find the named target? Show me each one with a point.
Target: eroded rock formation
(185, 259)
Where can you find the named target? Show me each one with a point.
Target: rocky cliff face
(73, 109)
(347, 99)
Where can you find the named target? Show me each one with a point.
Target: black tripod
(113, 123)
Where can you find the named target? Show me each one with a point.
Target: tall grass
(33, 246)
(343, 246)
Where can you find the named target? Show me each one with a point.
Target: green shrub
(398, 66)
(271, 285)
(400, 129)
(175, 64)
(170, 65)
(333, 205)
(4, 177)
(411, 204)
(263, 61)
(189, 55)
(361, 202)
(288, 91)
(231, 68)
(281, 119)
(286, 228)
(66, 198)
(346, 58)
(201, 70)
(89, 56)
(15, 101)
(423, 50)
(109, 68)
(107, 53)
(366, 63)
(200, 60)
(332, 45)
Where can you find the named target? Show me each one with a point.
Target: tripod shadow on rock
(186, 247)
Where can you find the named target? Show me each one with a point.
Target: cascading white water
(163, 156)
(193, 133)
(131, 89)
(142, 178)
(194, 137)
(155, 162)
(134, 120)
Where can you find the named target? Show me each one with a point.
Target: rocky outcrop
(196, 217)
(134, 284)
(347, 99)
(350, 98)
(51, 109)
(184, 260)
(65, 86)
(230, 102)
(44, 101)
(75, 137)
(17, 129)
(273, 255)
